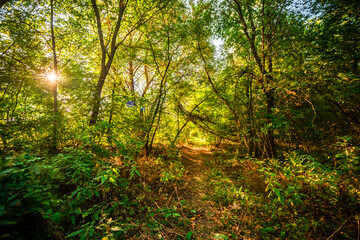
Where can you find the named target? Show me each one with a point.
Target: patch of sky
(307, 9)
(219, 51)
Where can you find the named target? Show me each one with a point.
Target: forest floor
(207, 193)
(194, 197)
(197, 183)
(183, 193)
(197, 192)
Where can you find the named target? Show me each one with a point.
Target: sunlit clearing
(51, 77)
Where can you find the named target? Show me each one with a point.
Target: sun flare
(51, 77)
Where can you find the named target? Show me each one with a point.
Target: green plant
(173, 172)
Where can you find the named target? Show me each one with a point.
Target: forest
(179, 119)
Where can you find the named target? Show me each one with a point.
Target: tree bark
(266, 79)
(105, 61)
(55, 120)
(252, 149)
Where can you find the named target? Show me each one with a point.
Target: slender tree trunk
(266, 79)
(97, 97)
(160, 97)
(270, 140)
(106, 56)
(112, 102)
(253, 149)
(55, 120)
(131, 70)
(158, 122)
(109, 130)
(158, 110)
(270, 105)
(131, 76)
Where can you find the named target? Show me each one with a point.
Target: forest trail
(196, 192)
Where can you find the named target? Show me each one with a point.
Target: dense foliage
(101, 99)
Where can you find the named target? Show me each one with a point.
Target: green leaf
(282, 200)
(75, 233)
(280, 197)
(73, 221)
(189, 235)
(7, 222)
(277, 192)
(74, 192)
(268, 229)
(220, 236)
(85, 214)
(10, 170)
(103, 179)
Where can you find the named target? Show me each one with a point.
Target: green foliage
(224, 192)
(282, 83)
(291, 197)
(73, 190)
(173, 173)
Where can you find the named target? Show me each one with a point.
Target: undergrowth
(94, 192)
(297, 197)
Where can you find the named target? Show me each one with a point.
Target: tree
(108, 52)
(256, 26)
(55, 78)
(106, 57)
(166, 41)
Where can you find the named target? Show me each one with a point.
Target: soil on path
(206, 223)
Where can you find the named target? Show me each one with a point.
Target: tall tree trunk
(97, 97)
(106, 57)
(160, 97)
(252, 148)
(270, 104)
(112, 102)
(131, 76)
(55, 120)
(109, 130)
(266, 79)
(270, 140)
(158, 110)
(131, 70)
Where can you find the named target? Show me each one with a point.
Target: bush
(73, 193)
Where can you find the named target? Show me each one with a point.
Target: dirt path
(206, 220)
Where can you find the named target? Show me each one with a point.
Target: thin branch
(336, 230)
(100, 33)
